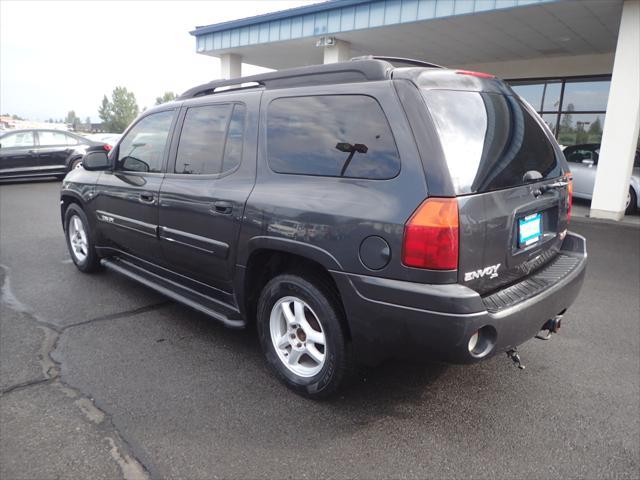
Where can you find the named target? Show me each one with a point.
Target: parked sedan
(583, 162)
(40, 153)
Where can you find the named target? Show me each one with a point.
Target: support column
(230, 65)
(339, 52)
(621, 125)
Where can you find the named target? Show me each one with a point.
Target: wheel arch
(67, 198)
(274, 258)
(73, 156)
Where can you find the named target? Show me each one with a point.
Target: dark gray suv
(352, 212)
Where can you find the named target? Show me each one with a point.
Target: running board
(176, 292)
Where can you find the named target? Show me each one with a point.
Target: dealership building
(576, 61)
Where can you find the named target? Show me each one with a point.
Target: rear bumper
(395, 318)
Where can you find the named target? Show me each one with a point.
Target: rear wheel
(302, 335)
(80, 240)
(77, 163)
(632, 201)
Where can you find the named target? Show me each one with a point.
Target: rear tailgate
(510, 178)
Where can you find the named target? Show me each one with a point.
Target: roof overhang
(454, 32)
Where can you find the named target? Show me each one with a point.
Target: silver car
(583, 162)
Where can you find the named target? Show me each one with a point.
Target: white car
(109, 138)
(583, 162)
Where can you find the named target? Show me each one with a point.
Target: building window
(573, 108)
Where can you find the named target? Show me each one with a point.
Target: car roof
(19, 130)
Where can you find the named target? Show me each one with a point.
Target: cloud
(61, 56)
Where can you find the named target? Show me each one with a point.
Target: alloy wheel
(298, 337)
(78, 238)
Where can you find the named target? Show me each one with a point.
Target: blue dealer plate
(529, 229)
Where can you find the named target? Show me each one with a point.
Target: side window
(577, 155)
(331, 135)
(50, 139)
(142, 149)
(202, 139)
(211, 139)
(71, 140)
(17, 139)
(570, 155)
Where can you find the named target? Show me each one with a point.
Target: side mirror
(588, 162)
(97, 160)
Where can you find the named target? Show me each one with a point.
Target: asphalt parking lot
(102, 378)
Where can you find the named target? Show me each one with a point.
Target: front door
(18, 155)
(202, 199)
(126, 203)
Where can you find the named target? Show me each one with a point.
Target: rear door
(509, 175)
(53, 150)
(17, 154)
(209, 178)
(126, 203)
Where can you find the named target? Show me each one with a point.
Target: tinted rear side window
(202, 139)
(489, 140)
(331, 135)
(211, 139)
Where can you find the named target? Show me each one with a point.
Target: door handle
(147, 198)
(222, 207)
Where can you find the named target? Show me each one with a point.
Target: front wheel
(303, 336)
(80, 240)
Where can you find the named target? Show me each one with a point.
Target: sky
(57, 56)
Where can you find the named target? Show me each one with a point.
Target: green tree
(567, 132)
(116, 114)
(595, 131)
(167, 97)
(566, 123)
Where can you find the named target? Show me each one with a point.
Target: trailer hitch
(549, 328)
(513, 355)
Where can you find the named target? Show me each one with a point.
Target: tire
(322, 313)
(75, 163)
(80, 239)
(633, 202)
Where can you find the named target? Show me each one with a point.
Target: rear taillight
(107, 147)
(431, 235)
(570, 193)
(475, 74)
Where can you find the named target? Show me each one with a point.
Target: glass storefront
(574, 108)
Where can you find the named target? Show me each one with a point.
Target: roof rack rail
(408, 61)
(344, 72)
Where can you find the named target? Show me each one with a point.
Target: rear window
(490, 141)
(331, 135)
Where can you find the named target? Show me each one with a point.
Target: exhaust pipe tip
(550, 327)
